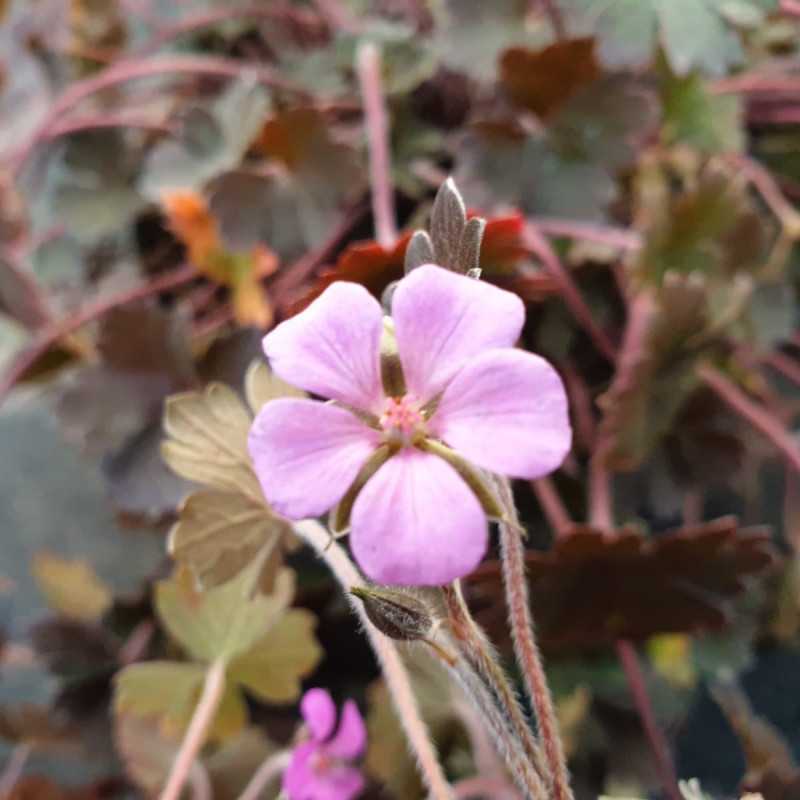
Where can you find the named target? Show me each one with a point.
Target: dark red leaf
(594, 587)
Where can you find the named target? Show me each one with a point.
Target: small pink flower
(319, 769)
(416, 521)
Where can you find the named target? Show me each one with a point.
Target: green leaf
(569, 170)
(470, 34)
(212, 139)
(695, 34)
(275, 666)
(221, 529)
(225, 621)
(694, 116)
(261, 385)
(168, 691)
(218, 533)
(71, 586)
(703, 223)
(207, 439)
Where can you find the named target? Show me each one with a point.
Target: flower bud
(395, 614)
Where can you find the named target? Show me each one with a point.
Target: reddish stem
(757, 83)
(601, 504)
(376, 123)
(94, 122)
(768, 188)
(629, 660)
(134, 69)
(589, 232)
(552, 507)
(51, 334)
(271, 12)
(284, 289)
(581, 404)
(512, 559)
(538, 245)
(786, 365)
(553, 13)
(758, 416)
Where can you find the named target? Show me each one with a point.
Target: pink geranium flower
(416, 521)
(320, 769)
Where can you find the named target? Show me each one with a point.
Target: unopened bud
(397, 615)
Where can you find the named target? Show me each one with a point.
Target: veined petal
(417, 523)
(319, 713)
(507, 412)
(332, 348)
(351, 738)
(306, 454)
(442, 319)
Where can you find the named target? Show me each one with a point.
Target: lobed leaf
(168, 691)
(227, 620)
(71, 586)
(594, 587)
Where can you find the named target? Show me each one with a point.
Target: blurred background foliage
(177, 177)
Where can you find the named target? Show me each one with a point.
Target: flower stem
(368, 66)
(488, 688)
(270, 769)
(629, 660)
(394, 671)
(512, 556)
(210, 698)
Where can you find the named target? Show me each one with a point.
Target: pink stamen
(402, 416)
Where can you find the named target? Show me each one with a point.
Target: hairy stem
(193, 741)
(479, 786)
(368, 66)
(487, 686)
(512, 556)
(629, 660)
(392, 667)
(268, 771)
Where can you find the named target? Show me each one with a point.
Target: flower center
(402, 419)
(321, 762)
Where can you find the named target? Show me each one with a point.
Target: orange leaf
(190, 219)
(541, 80)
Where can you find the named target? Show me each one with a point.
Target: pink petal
(341, 783)
(319, 713)
(332, 347)
(351, 738)
(299, 776)
(442, 319)
(507, 412)
(309, 777)
(306, 454)
(417, 523)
